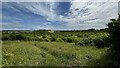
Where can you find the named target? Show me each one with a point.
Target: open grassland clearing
(37, 53)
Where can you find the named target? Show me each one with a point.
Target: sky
(57, 15)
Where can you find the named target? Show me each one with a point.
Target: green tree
(114, 34)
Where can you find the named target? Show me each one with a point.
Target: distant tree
(91, 29)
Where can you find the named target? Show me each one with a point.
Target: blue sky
(57, 15)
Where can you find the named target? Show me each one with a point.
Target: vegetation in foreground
(37, 53)
(61, 48)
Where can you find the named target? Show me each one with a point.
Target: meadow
(59, 48)
(35, 53)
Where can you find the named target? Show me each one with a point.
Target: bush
(20, 37)
(59, 40)
(99, 42)
(81, 43)
(53, 39)
(14, 37)
(47, 40)
(69, 39)
(78, 35)
(86, 42)
(5, 37)
(40, 39)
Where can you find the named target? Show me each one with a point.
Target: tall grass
(37, 53)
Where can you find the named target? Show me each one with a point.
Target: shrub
(99, 42)
(59, 40)
(14, 37)
(81, 43)
(20, 37)
(53, 39)
(69, 39)
(64, 39)
(44, 36)
(5, 37)
(78, 35)
(86, 41)
(40, 39)
(47, 40)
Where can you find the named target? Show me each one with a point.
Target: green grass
(34, 53)
(0, 49)
(0, 53)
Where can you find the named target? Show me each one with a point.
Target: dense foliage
(114, 31)
(82, 38)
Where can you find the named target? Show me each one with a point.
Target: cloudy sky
(57, 15)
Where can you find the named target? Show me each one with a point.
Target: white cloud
(82, 15)
(44, 27)
(102, 11)
(15, 24)
(45, 9)
(59, 0)
(98, 13)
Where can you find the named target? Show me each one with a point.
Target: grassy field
(34, 53)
